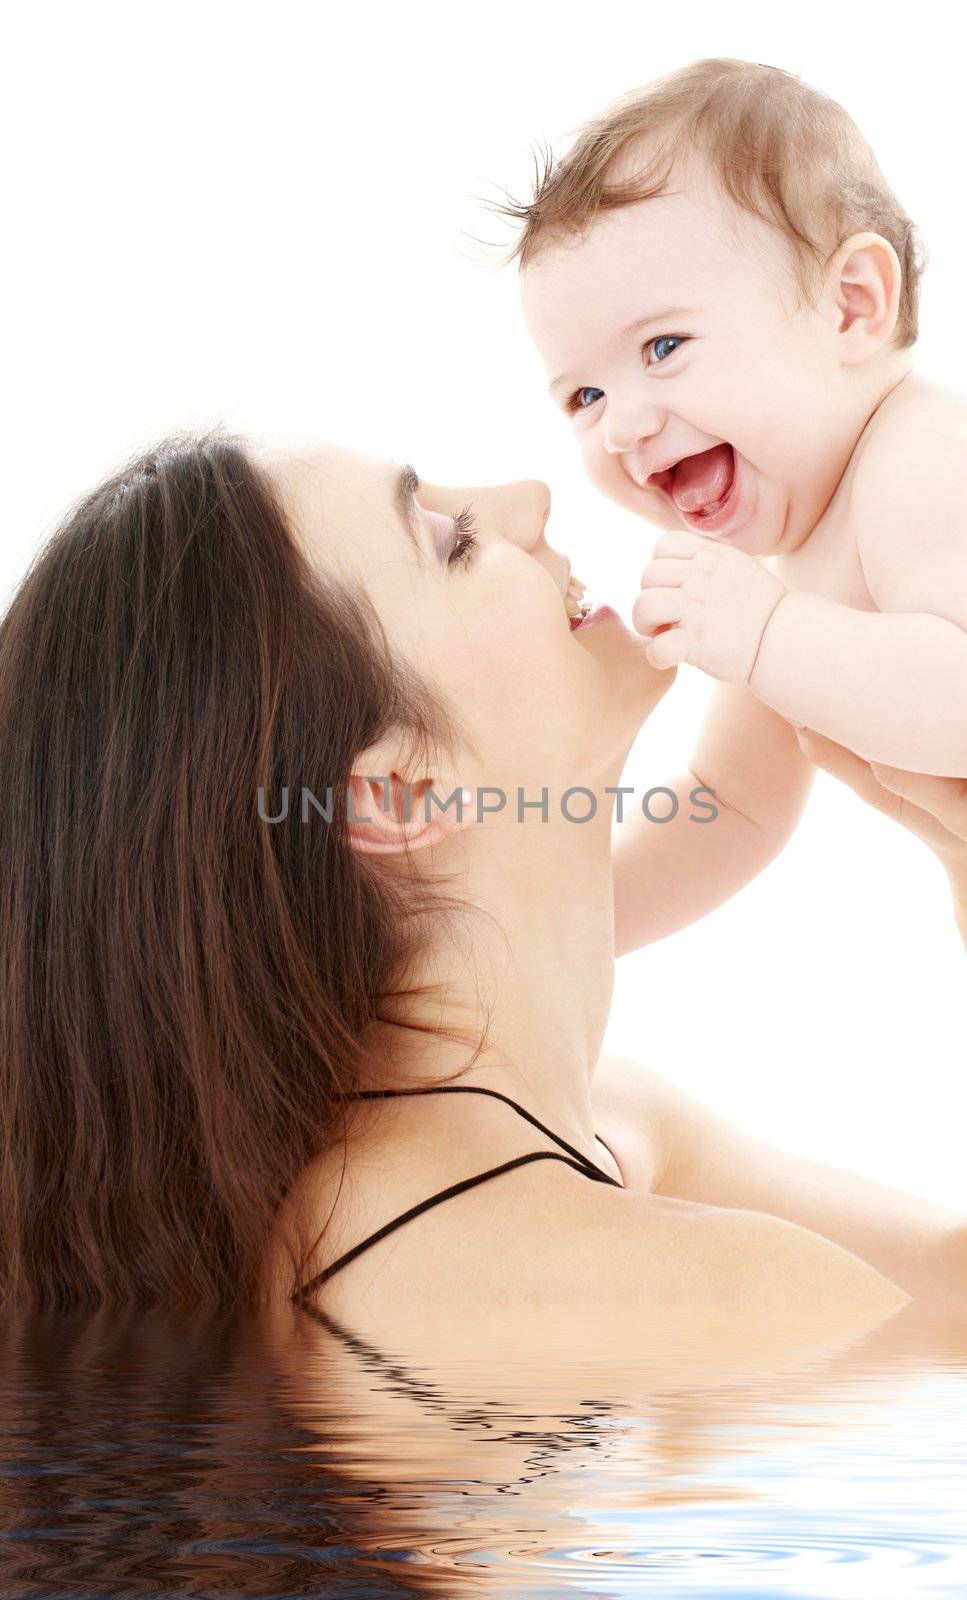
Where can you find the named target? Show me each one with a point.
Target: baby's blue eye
(579, 400)
(667, 338)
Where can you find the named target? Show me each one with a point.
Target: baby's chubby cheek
(611, 478)
(607, 474)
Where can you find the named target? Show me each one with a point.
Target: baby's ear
(862, 295)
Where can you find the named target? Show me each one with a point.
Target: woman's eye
(665, 338)
(583, 399)
(463, 545)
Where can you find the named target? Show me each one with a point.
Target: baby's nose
(621, 439)
(626, 429)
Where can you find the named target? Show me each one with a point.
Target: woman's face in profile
(477, 611)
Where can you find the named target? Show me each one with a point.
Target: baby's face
(736, 364)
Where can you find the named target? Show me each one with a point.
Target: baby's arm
(668, 874)
(891, 686)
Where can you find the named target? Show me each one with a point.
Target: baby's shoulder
(920, 427)
(907, 499)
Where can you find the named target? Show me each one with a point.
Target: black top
(581, 1163)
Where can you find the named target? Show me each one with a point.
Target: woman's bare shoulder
(689, 1273)
(542, 1252)
(544, 1258)
(707, 1159)
(727, 1263)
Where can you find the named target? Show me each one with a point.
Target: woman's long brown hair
(186, 988)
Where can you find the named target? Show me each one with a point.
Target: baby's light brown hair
(780, 149)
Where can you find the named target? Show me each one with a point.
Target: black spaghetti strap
(445, 1194)
(576, 1159)
(476, 1088)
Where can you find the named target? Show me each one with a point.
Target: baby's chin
(765, 534)
(759, 533)
(751, 540)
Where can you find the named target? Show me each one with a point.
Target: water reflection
(288, 1455)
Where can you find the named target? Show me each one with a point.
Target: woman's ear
(386, 815)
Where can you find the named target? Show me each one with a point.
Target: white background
(268, 216)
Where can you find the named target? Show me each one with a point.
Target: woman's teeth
(574, 599)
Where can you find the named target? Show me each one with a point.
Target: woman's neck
(536, 970)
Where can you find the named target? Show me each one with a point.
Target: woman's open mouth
(574, 603)
(705, 488)
(582, 613)
(592, 614)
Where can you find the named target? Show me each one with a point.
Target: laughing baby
(723, 288)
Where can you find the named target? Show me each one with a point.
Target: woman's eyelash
(465, 527)
(572, 403)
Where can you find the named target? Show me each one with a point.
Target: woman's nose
(526, 509)
(516, 511)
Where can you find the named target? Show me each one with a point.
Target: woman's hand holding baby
(705, 603)
(935, 809)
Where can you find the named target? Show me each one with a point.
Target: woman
(204, 966)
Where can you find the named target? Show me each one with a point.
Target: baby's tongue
(701, 480)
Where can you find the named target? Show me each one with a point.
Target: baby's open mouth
(698, 485)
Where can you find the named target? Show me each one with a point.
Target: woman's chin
(625, 668)
(625, 705)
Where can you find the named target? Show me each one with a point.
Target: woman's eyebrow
(407, 487)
